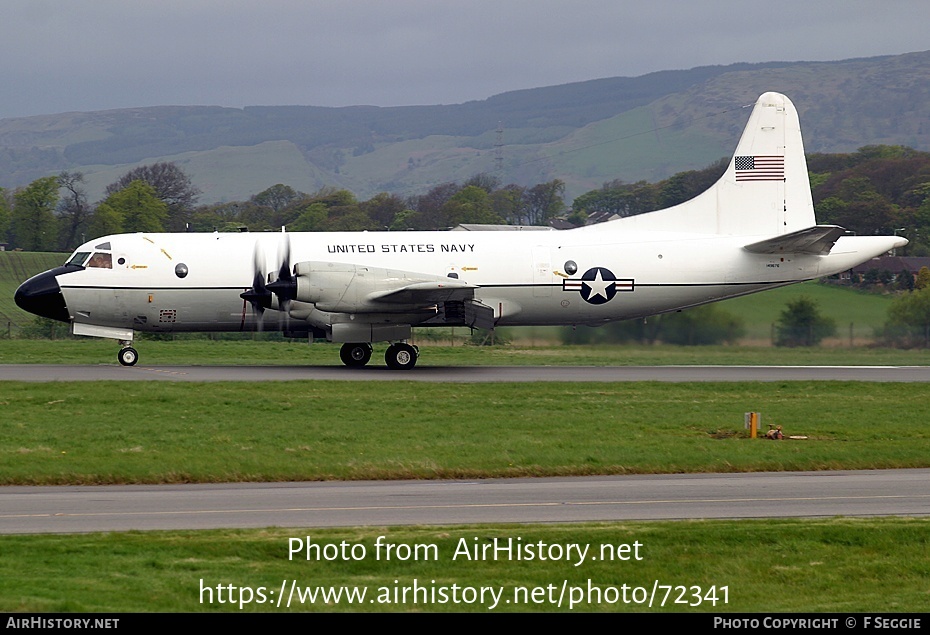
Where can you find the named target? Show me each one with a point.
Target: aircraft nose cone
(42, 296)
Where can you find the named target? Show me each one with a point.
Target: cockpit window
(78, 258)
(101, 261)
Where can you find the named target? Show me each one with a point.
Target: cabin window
(101, 260)
(78, 258)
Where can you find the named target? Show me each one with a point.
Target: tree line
(875, 190)
(53, 214)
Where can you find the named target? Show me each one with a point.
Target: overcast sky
(78, 55)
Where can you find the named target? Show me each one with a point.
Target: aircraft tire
(128, 356)
(400, 356)
(355, 355)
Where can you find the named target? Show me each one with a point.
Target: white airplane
(753, 230)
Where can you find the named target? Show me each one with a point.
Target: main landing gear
(401, 356)
(398, 356)
(355, 355)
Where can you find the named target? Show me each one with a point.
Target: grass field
(775, 567)
(141, 432)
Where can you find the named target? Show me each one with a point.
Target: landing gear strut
(355, 355)
(401, 356)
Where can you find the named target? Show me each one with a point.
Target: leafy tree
(485, 181)
(277, 197)
(618, 199)
(350, 219)
(802, 324)
(172, 186)
(105, 220)
(383, 208)
(327, 210)
(544, 202)
(227, 216)
(509, 203)
(403, 220)
(33, 218)
(471, 204)
(923, 278)
(428, 207)
(138, 208)
(908, 322)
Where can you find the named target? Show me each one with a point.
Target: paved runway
(386, 503)
(49, 372)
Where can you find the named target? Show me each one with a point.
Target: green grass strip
(153, 432)
(834, 565)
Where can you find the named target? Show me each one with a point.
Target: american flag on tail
(760, 168)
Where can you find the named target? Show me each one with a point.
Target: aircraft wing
(817, 240)
(421, 293)
(455, 300)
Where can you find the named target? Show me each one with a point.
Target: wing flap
(817, 240)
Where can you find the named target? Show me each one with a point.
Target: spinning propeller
(285, 286)
(261, 294)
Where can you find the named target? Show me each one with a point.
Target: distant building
(892, 264)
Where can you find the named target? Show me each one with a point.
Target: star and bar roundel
(598, 285)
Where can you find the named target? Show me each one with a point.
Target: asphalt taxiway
(74, 509)
(464, 374)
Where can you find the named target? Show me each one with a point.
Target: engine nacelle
(348, 288)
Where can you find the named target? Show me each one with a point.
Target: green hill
(583, 133)
(15, 268)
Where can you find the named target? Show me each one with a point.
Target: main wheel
(128, 356)
(400, 356)
(355, 355)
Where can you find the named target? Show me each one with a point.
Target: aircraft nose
(42, 296)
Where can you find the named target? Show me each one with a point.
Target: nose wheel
(401, 356)
(128, 356)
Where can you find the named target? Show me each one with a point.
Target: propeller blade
(285, 286)
(258, 294)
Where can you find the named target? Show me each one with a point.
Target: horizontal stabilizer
(817, 240)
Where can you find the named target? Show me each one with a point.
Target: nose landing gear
(127, 356)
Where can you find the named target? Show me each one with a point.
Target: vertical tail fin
(765, 190)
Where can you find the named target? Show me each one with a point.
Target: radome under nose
(42, 296)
